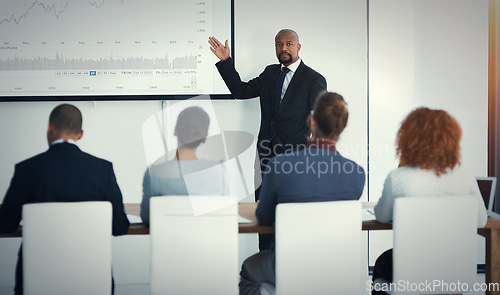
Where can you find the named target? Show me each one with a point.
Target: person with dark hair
(287, 92)
(168, 177)
(317, 173)
(191, 129)
(62, 174)
(428, 147)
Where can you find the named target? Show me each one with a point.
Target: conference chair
(434, 242)
(194, 245)
(67, 248)
(318, 248)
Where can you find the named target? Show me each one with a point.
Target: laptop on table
(487, 187)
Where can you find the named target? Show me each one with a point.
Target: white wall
(334, 42)
(113, 131)
(433, 54)
(333, 35)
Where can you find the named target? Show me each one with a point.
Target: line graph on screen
(109, 47)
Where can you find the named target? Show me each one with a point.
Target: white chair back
(67, 248)
(194, 245)
(434, 242)
(318, 248)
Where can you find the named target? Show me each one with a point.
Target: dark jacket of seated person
(61, 174)
(316, 173)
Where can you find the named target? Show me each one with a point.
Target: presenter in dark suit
(285, 104)
(61, 174)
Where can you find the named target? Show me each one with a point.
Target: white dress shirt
(293, 68)
(60, 140)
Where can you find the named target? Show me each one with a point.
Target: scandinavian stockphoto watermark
(312, 166)
(317, 161)
(268, 149)
(430, 286)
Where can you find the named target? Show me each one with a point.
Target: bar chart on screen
(109, 47)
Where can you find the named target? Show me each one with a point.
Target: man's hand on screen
(220, 50)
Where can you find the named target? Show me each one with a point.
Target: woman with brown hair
(296, 177)
(428, 147)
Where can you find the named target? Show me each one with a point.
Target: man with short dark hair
(61, 174)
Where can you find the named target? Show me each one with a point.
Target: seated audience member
(61, 174)
(428, 147)
(343, 180)
(170, 177)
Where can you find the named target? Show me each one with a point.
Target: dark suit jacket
(62, 174)
(314, 174)
(287, 127)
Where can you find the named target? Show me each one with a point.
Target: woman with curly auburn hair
(428, 147)
(429, 139)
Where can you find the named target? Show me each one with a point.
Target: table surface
(247, 210)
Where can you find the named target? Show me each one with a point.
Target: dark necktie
(279, 87)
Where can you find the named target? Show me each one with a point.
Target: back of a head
(66, 118)
(192, 127)
(330, 114)
(429, 139)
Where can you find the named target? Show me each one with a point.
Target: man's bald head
(287, 31)
(287, 46)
